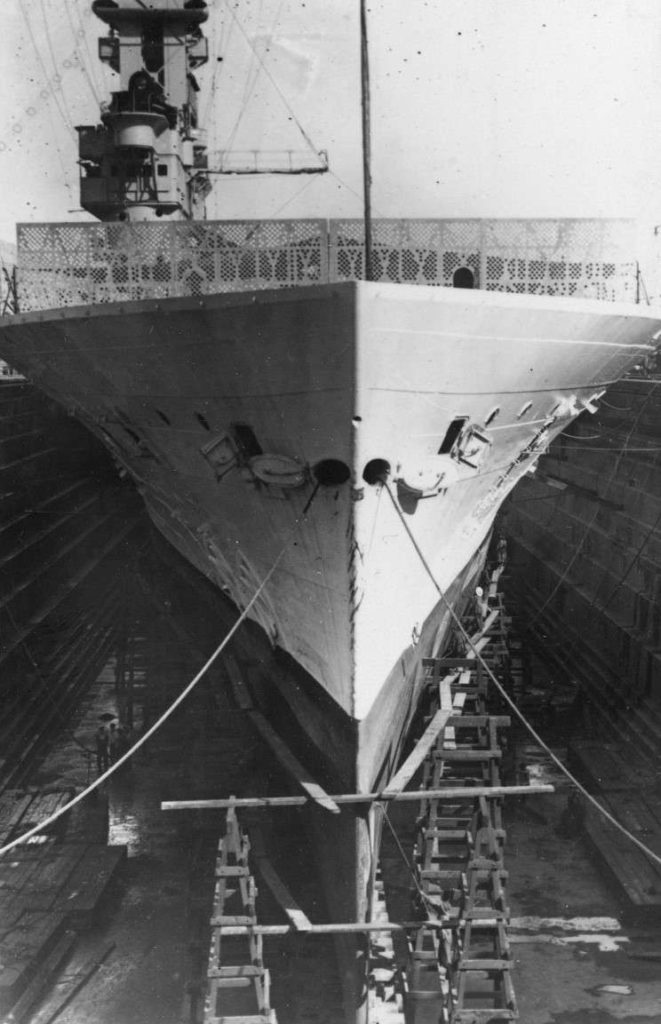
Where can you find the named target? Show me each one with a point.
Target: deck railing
(86, 264)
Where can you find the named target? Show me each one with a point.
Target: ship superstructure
(146, 159)
(350, 440)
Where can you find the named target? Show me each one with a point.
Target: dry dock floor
(149, 930)
(575, 961)
(573, 965)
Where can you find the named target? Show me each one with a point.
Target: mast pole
(367, 147)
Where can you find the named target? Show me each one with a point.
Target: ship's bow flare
(458, 393)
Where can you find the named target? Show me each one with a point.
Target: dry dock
(107, 920)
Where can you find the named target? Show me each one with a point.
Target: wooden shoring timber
(493, 583)
(483, 631)
(442, 793)
(421, 750)
(287, 759)
(296, 915)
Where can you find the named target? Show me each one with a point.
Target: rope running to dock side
(508, 700)
(157, 724)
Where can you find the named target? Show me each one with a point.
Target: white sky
(480, 107)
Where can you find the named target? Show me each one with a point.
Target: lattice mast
(146, 159)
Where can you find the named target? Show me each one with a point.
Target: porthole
(331, 472)
(376, 471)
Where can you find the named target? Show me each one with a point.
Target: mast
(367, 146)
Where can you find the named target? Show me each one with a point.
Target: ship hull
(252, 424)
(351, 443)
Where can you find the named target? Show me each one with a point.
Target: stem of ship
(367, 143)
(368, 828)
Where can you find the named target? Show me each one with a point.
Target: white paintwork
(425, 356)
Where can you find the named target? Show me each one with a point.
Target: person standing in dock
(114, 742)
(102, 749)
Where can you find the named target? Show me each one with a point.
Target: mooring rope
(508, 700)
(157, 724)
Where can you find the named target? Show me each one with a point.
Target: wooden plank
(446, 663)
(486, 626)
(258, 1018)
(236, 971)
(401, 779)
(445, 692)
(229, 920)
(292, 764)
(232, 871)
(350, 927)
(468, 754)
(447, 793)
(480, 721)
(478, 646)
(485, 965)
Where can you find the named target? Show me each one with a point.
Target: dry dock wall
(67, 526)
(585, 540)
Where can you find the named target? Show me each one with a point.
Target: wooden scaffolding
(238, 984)
(459, 960)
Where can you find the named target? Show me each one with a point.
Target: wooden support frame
(234, 908)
